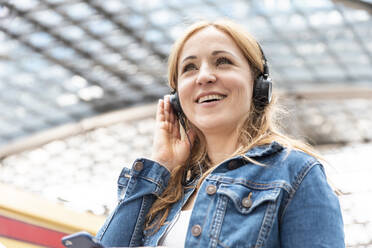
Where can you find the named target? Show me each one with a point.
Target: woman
(230, 180)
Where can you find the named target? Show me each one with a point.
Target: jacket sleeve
(312, 217)
(137, 190)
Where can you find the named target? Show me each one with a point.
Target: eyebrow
(189, 57)
(214, 53)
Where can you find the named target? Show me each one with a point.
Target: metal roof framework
(63, 61)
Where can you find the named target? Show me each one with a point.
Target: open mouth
(210, 98)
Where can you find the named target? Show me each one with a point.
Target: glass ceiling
(62, 61)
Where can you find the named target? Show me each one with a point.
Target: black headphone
(262, 91)
(262, 88)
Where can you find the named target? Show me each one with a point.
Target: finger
(172, 115)
(176, 130)
(160, 111)
(170, 123)
(166, 107)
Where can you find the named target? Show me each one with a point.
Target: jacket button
(232, 165)
(138, 166)
(196, 230)
(211, 189)
(247, 201)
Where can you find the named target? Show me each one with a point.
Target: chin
(213, 124)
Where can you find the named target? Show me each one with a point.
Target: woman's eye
(223, 60)
(189, 67)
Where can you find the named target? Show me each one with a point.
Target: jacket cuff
(150, 171)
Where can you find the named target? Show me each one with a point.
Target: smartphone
(81, 240)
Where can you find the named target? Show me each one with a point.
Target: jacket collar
(264, 150)
(255, 152)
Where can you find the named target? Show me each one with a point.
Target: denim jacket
(285, 203)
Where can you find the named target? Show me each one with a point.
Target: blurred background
(79, 82)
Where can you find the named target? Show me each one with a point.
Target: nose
(206, 75)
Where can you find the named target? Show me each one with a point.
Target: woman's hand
(170, 148)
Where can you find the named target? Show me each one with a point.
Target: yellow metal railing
(32, 209)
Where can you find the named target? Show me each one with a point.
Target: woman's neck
(222, 145)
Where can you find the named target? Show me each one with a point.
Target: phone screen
(86, 240)
(81, 240)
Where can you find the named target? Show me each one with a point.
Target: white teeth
(210, 97)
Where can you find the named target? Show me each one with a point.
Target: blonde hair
(258, 129)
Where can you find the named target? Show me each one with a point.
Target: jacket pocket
(245, 199)
(244, 216)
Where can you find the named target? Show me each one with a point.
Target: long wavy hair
(259, 128)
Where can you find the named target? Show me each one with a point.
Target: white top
(176, 236)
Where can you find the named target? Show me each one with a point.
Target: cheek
(243, 89)
(185, 95)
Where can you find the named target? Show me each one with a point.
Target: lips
(209, 97)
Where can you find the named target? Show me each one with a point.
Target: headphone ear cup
(175, 102)
(262, 91)
(177, 109)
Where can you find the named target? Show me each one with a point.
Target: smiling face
(214, 81)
